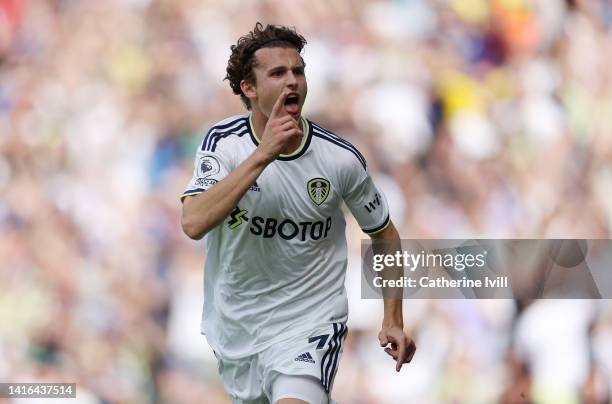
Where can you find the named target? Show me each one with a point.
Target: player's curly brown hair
(242, 60)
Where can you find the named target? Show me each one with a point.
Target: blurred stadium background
(478, 118)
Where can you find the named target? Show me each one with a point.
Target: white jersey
(276, 265)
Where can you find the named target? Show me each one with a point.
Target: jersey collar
(298, 152)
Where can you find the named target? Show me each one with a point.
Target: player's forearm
(202, 212)
(393, 315)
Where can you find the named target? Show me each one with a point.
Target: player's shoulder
(230, 121)
(343, 150)
(225, 129)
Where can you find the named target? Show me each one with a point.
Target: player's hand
(280, 129)
(397, 345)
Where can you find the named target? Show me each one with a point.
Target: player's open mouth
(292, 104)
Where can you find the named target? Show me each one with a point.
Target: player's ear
(248, 89)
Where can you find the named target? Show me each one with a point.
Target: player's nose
(291, 80)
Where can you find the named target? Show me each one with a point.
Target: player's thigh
(242, 380)
(288, 389)
(315, 353)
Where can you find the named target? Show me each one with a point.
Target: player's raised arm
(204, 211)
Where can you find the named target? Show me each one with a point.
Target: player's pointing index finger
(277, 109)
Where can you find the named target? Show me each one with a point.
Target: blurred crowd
(481, 119)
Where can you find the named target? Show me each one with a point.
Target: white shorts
(259, 378)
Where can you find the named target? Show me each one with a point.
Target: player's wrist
(393, 313)
(393, 318)
(261, 158)
(391, 323)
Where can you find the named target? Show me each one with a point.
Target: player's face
(277, 69)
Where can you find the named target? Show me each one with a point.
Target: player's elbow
(192, 232)
(194, 219)
(193, 229)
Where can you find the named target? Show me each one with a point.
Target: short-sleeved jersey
(276, 265)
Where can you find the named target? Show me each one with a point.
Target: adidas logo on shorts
(305, 357)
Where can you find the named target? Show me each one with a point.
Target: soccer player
(267, 190)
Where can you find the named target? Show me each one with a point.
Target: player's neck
(259, 121)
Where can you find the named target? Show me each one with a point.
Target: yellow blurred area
(472, 11)
(460, 92)
(129, 68)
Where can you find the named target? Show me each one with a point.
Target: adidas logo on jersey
(255, 187)
(305, 357)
